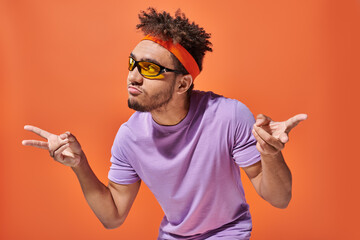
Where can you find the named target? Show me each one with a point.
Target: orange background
(63, 67)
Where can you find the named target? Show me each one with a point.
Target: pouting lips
(134, 91)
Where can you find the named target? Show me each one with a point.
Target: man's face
(146, 95)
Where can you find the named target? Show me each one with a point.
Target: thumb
(284, 138)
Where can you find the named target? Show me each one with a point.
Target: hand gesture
(271, 136)
(63, 148)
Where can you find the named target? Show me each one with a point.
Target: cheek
(154, 86)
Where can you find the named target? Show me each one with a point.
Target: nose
(135, 77)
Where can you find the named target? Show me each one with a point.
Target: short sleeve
(121, 171)
(244, 150)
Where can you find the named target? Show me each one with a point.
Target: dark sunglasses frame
(162, 68)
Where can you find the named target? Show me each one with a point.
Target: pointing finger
(294, 121)
(38, 131)
(36, 143)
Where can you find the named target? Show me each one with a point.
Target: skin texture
(271, 177)
(112, 203)
(167, 101)
(166, 97)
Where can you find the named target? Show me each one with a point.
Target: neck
(173, 113)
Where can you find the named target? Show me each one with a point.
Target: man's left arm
(271, 177)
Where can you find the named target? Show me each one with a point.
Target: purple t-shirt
(192, 167)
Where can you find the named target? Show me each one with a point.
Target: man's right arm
(111, 204)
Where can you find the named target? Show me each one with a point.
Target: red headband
(180, 53)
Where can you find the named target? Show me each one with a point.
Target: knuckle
(260, 115)
(262, 144)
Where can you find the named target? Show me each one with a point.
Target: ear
(184, 84)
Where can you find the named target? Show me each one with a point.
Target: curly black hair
(162, 25)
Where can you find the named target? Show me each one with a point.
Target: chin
(135, 105)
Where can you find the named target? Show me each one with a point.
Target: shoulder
(222, 106)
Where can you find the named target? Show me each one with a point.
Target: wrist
(272, 157)
(82, 162)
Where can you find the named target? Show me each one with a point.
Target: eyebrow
(145, 59)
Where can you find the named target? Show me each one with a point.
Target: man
(186, 145)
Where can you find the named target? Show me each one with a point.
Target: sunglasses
(149, 69)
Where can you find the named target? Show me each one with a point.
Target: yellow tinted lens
(131, 64)
(161, 76)
(149, 69)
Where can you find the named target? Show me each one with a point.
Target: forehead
(148, 50)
